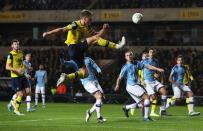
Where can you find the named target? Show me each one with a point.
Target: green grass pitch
(70, 117)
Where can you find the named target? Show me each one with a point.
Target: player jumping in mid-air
(136, 91)
(176, 78)
(80, 35)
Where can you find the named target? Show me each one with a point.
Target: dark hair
(151, 49)
(85, 13)
(180, 56)
(14, 40)
(144, 52)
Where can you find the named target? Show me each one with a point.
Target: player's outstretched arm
(155, 68)
(55, 31)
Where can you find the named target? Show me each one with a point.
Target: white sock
(191, 104)
(146, 108)
(98, 108)
(170, 102)
(93, 108)
(43, 99)
(163, 103)
(36, 98)
(131, 106)
(28, 100)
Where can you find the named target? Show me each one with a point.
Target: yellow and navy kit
(188, 76)
(77, 33)
(15, 58)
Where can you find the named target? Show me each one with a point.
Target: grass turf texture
(71, 117)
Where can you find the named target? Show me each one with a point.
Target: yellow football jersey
(16, 60)
(188, 76)
(77, 33)
(141, 77)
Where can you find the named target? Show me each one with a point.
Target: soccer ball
(137, 17)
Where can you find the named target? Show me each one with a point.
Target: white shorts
(136, 92)
(152, 86)
(92, 87)
(179, 90)
(39, 89)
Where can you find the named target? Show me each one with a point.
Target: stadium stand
(95, 4)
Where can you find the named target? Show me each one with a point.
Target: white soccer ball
(137, 17)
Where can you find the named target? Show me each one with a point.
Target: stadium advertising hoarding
(118, 15)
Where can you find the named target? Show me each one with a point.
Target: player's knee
(145, 96)
(190, 94)
(163, 90)
(98, 95)
(146, 103)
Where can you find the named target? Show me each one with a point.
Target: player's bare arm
(172, 81)
(16, 70)
(55, 31)
(155, 68)
(118, 81)
(103, 31)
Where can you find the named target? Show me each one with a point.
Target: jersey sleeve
(96, 67)
(9, 59)
(145, 63)
(140, 65)
(172, 71)
(123, 72)
(72, 26)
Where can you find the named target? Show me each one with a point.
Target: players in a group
(91, 85)
(18, 80)
(80, 35)
(41, 80)
(153, 86)
(135, 90)
(176, 78)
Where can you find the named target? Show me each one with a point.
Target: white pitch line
(80, 118)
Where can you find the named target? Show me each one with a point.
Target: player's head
(15, 44)
(86, 17)
(151, 52)
(41, 67)
(129, 56)
(179, 60)
(144, 55)
(28, 57)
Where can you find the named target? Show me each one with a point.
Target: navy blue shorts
(19, 83)
(76, 53)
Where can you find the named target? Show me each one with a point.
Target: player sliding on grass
(176, 78)
(80, 35)
(136, 91)
(91, 85)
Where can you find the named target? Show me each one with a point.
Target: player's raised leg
(105, 43)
